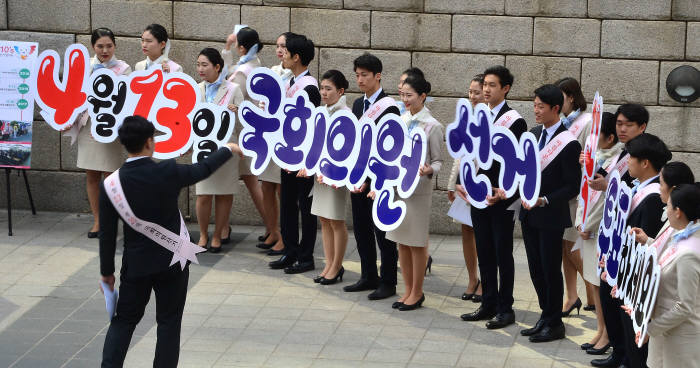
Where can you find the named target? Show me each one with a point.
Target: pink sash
(376, 109)
(580, 123)
(661, 240)
(183, 250)
(641, 194)
(507, 119)
(300, 84)
(620, 166)
(244, 69)
(555, 146)
(691, 244)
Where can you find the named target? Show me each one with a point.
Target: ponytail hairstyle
(419, 84)
(571, 88)
(102, 32)
(686, 197)
(248, 37)
(214, 57)
(337, 78)
(676, 173)
(158, 31)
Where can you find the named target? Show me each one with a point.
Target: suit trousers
(294, 198)
(365, 233)
(637, 357)
(493, 232)
(170, 287)
(543, 248)
(613, 322)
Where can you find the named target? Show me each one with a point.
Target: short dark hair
(248, 37)
(505, 78)
(418, 83)
(551, 95)
(607, 126)
(414, 70)
(479, 78)
(300, 45)
(649, 147)
(571, 88)
(158, 31)
(134, 132)
(676, 173)
(101, 32)
(687, 198)
(214, 57)
(337, 78)
(368, 62)
(634, 112)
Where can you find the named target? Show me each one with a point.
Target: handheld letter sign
(587, 196)
(477, 142)
(296, 135)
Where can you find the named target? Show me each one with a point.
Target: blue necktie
(543, 139)
(636, 183)
(367, 103)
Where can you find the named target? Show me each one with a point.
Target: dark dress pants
(636, 357)
(170, 287)
(543, 248)
(613, 321)
(493, 232)
(294, 198)
(365, 233)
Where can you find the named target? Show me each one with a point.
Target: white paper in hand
(111, 297)
(460, 211)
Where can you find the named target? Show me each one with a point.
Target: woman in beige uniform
(155, 44)
(412, 234)
(222, 185)
(97, 158)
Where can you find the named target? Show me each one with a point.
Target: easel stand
(9, 197)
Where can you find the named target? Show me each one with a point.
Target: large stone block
(3, 14)
(395, 5)
(692, 48)
(666, 68)
(47, 41)
(49, 15)
(686, 10)
(443, 109)
(558, 8)
(51, 191)
(567, 37)
(128, 48)
(465, 7)
(692, 159)
(441, 70)
(413, 31)
(46, 147)
(239, 2)
(642, 9)
(533, 71)
(621, 81)
(269, 21)
(642, 39)
(345, 28)
(394, 63)
(335, 4)
(676, 126)
(69, 155)
(220, 20)
(131, 18)
(512, 35)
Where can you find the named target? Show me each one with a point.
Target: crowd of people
(665, 214)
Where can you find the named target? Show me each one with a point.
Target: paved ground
(240, 313)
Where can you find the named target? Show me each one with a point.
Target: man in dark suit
(151, 190)
(368, 72)
(295, 188)
(543, 224)
(493, 225)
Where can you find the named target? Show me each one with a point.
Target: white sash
(300, 83)
(643, 193)
(183, 250)
(244, 69)
(552, 149)
(507, 119)
(376, 109)
(580, 123)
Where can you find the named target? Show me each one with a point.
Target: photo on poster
(15, 155)
(15, 131)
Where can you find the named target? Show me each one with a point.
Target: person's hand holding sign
(639, 235)
(540, 202)
(235, 149)
(461, 192)
(498, 195)
(636, 338)
(233, 108)
(230, 40)
(302, 173)
(425, 170)
(372, 195)
(166, 67)
(360, 189)
(109, 280)
(598, 183)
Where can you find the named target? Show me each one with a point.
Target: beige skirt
(329, 202)
(93, 155)
(414, 229)
(270, 174)
(570, 233)
(589, 253)
(222, 182)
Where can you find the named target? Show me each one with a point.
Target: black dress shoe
(284, 261)
(227, 239)
(534, 329)
(501, 320)
(300, 267)
(587, 346)
(93, 234)
(361, 285)
(382, 292)
(611, 361)
(407, 307)
(396, 305)
(549, 334)
(273, 252)
(589, 307)
(593, 351)
(480, 314)
(264, 246)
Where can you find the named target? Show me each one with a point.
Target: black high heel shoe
(408, 307)
(469, 296)
(227, 239)
(576, 305)
(338, 277)
(318, 279)
(262, 238)
(396, 305)
(601, 351)
(428, 267)
(589, 308)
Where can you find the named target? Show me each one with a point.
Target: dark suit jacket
(151, 189)
(647, 215)
(359, 105)
(560, 183)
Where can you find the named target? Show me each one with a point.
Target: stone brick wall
(622, 48)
